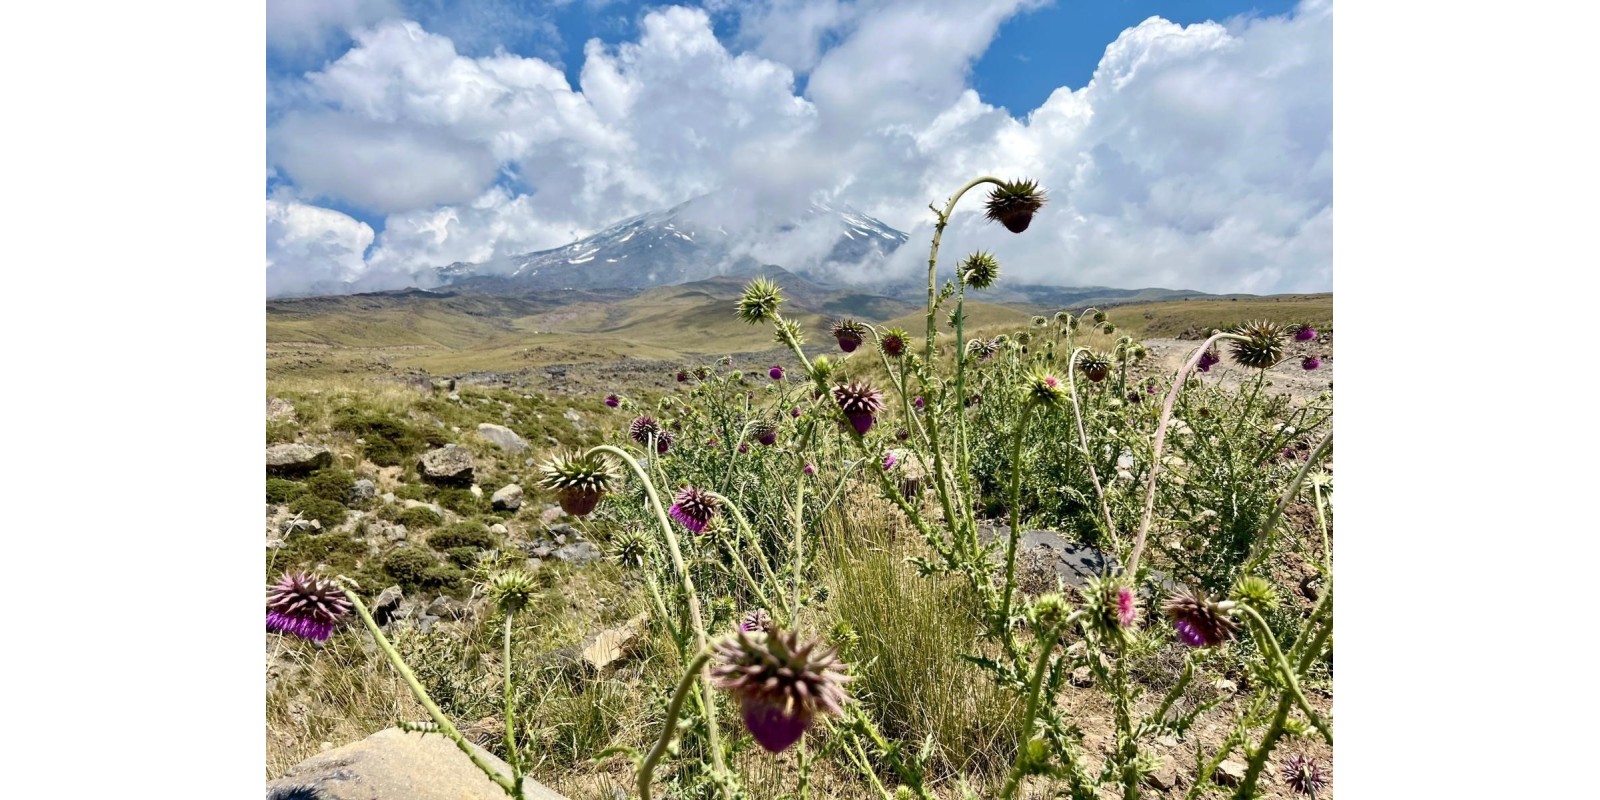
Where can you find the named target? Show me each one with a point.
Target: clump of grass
(461, 501)
(417, 518)
(414, 568)
(461, 534)
(282, 490)
(330, 513)
(386, 439)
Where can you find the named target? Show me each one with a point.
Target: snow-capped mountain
(691, 241)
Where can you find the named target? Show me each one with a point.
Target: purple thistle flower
(756, 621)
(781, 684)
(1127, 607)
(902, 434)
(889, 461)
(683, 376)
(664, 442)
(1304, 775)
(1208, 359)
(643, 428)
(1305, 334)
(810, 470)
(919, 402)
(744, 447)
(1310, 363)
(776, 373)
(613, 400)
(305, 605)
(694, 508)
(764, 432)
(795, 412)
(1199, 620)
(849, 334)
(860, 403)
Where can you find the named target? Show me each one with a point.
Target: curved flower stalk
(1083, 445)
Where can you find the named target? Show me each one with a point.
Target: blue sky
(404, 134)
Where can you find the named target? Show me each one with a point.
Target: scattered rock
(297, 458)
(578, 553)
(1083, 677)
(1229, 773)
(434, 507)
(550, 514)
(279, 409)
(477, 491)
(449, 465)
(499, 529)
(300, 526)
(1226, 686)
(502, 437)
(388, 497)
(611, 645)
(572, 415)
(449, 608)
(507, 498)
(395, 765)
(562, 530)
(363, 491)
(388, 602)
(1166, 776)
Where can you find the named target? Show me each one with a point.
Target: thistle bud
(979, 270)
(760, 301)
(511, 590)
(579, 481)
(1261, 347)
(1013, 204)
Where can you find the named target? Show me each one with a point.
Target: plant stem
(1259, 548)
(647, 768)
(1270, 649)
(1016, 516)
(1161, 439)
(445, 727)
(1083, 444)
(943, 219)
(1258, 758)
(1021, 764)
(511, 725)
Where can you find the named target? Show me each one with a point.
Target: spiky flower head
(306, 605)
(1262, 345)
(894, 342)
(664, 442)
(630, 548)
(579, 480)
(889, 461)
(1304, 775)
(1199, 620)
(702, 372)
(1110, 608)
(694, 508)
(956, 318)
(810, 469)
(1256, 591)
(683, 376)
(979, 270)
(902, 434)
(760, 301)
(821, 369)
(1039, 322)
(1108, 329)
(776, 373)
(643, 429)
(511, 590)
(1310, 363)
(1095, 366)
(1045, 389)
(919, 403)
(613, 400)
(1063, 318)
(764, 432)
(983, 349)
(1013, 204)
(756, 620)
(1023, 338)
(780, 683)
(849, 333)
(744, 447)
(859, 402)
(1304, 333)
(1095, 314)
(1049, 611)
(1208, 359)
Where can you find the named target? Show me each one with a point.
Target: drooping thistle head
(511, 590)
(756, 620)
(694, 508)
(1063, 318)
(1039, 322)
(1095, 314)
(776, 373)
(978, 271)
(1108, 329)
(781, 684)
(630, 548)
(1095, 365)
(1262, 345)
(1304, 775)
(613, 400)
(306, 605)
(1208, 359)
(1304, 333)
(1310, 363)
(1199, 620)
(702, 372)
(983, 349)
(664, 442)
(860, 404)
(643, 429)
(894, 342)
(579, 480)
(848, 333)
(1013, 204)
(759, 302)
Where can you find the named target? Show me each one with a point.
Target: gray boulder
(449, 465)
(388, 602)
(279, 409)
(363, 491)
(395, 765)
(507, 498)
(297, 458)
(578, 552)
(502, 437)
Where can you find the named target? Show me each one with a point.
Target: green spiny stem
(647, 768)
(1083, 445)
(890, 754)
(858, 756)
(1312, 638)
(1260, 549)
(1019, 767)
(942, 220)
(445, 727)
(661, 608)
(799, 545)
(1161, 439)
(1127, 748)
(1258, 757)
(511, 724)
(1016, 517)
(755, 544)
(1160, 717)
(749, 579)
(696, 624)
(1274, 654)
(1322, 525)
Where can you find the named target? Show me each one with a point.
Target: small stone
(388, 497)
(502, 437)
(550, 514)
(1229, 773)
(1226, 686)
(476, 491)
(609, 646)
(572, 415)
(1166, 776)
(388, 602)
(297, 458)
(578, 553)
(500, 529)
(507, 498)
(279, 409)
(449, 465)
(1083, 677)
(363, 490)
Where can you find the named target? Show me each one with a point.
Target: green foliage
(329, 512)
(462, 534)
(282, 490)
(387, 440)
(413, 568)
(414, 491)
(331, 483)
(418, 518)
(461, 501)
